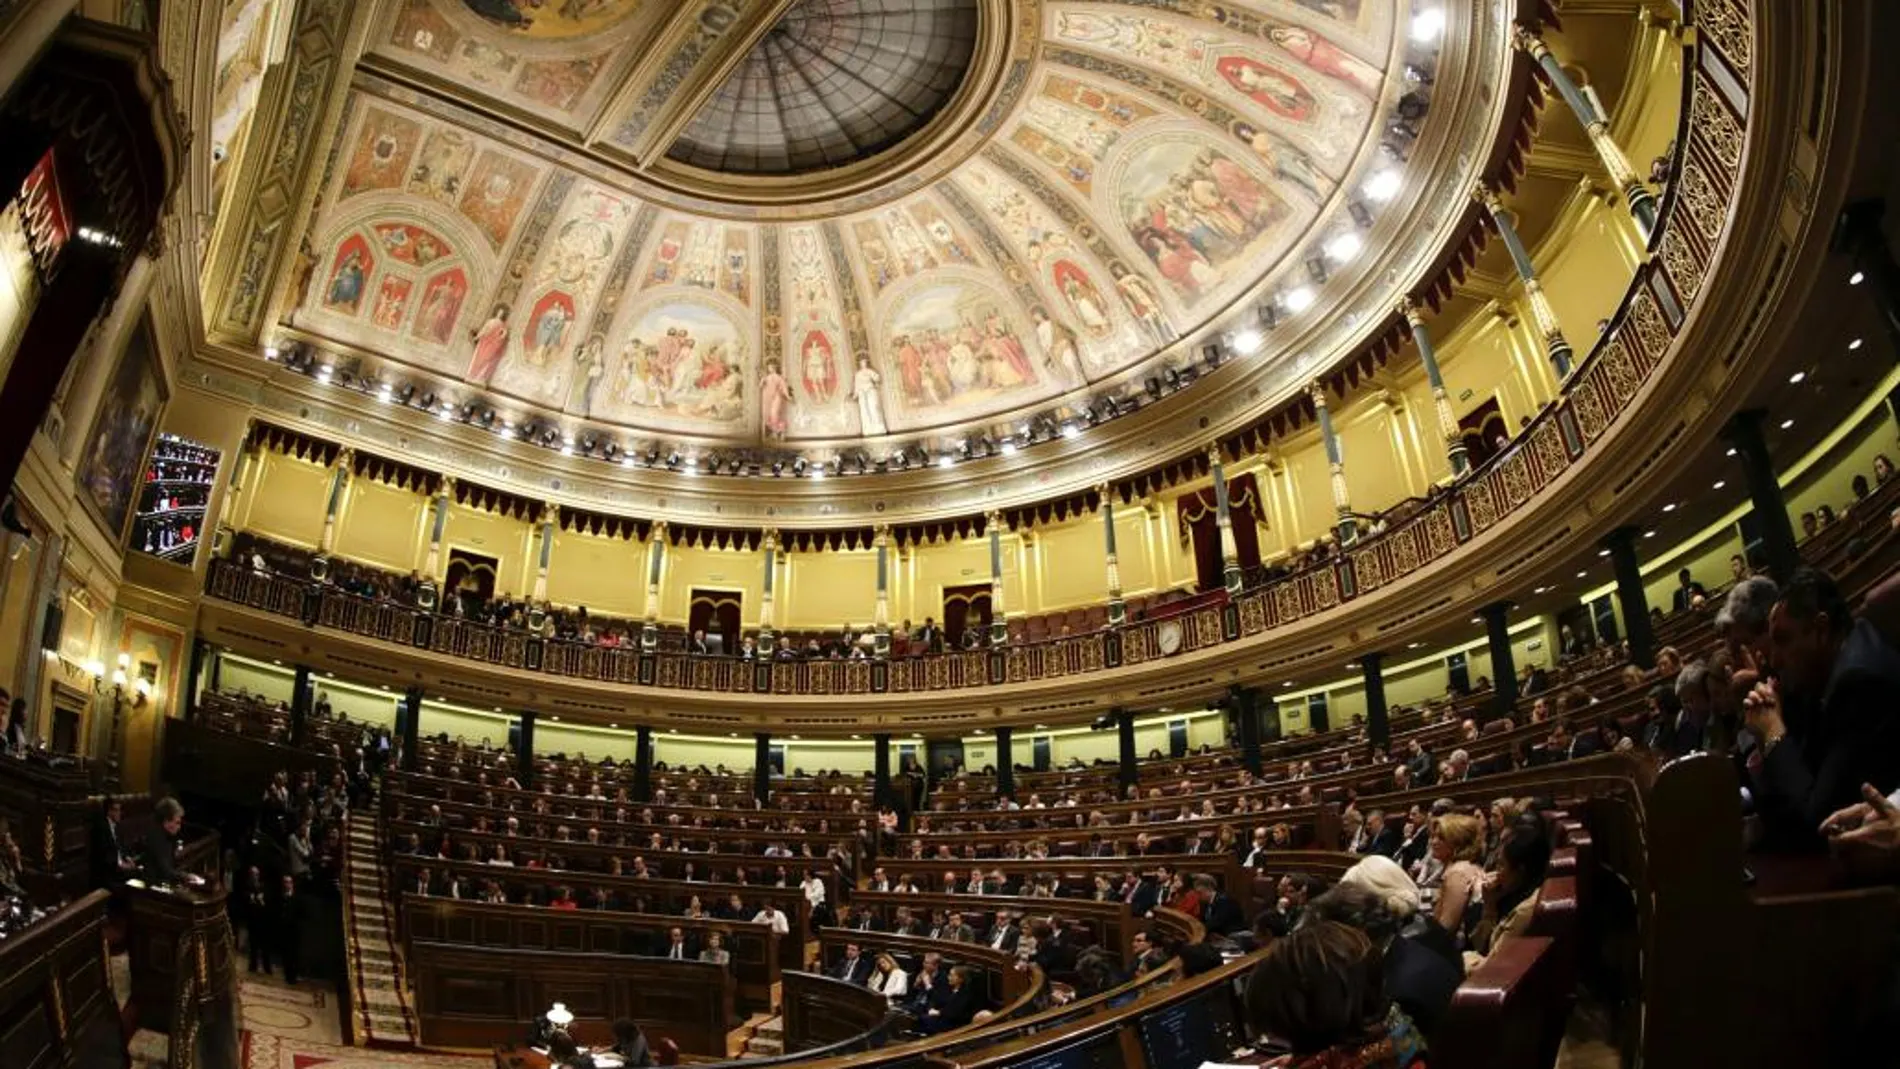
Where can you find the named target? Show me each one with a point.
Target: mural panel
(109, 471)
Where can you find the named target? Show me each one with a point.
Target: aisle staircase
(765, 1038)
(384, 1017)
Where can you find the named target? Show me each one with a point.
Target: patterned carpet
(262, 1051)
(384, 1017)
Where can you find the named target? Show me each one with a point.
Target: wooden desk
(179, 940)
(55, 998)
(434, 924)
(482, 996)
(820, 1011)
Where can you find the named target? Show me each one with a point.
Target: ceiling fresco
(1159, 162)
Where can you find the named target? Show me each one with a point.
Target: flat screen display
(1196, 1030)
(1098, 1052)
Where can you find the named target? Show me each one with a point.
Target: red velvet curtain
(1199, 528)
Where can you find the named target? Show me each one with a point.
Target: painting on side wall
(122, 432)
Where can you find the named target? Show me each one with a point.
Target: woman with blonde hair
(1457, 843)
(887, 979)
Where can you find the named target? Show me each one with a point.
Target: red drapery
(1198, 528)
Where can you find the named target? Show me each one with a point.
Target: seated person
(631, 1044)
(957, 1008)
(1511, 898)
(1320, 990)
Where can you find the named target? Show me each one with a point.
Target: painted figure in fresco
(1288, 163)
(588, 371)
(491, 342)
(549, 334)
(775, 401)
(346, 285)
(506, 12)
(633, 376)
(1059, 352)
(1277, 92)
(440, 305)
(1327, 58)
(870, 402)
(1083, 299)
(820, 373)
(391, 302)
(1140, 300)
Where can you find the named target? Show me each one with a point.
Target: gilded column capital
(658, 529)
(992, 521)
(344, 458)
(1484, 193)
(769, 541)
(445, 487)
(1410, 310)
(1213, 455)
(1527, 40)
(1317, 392)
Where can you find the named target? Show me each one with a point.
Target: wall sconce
(141, 691)
(118, 674)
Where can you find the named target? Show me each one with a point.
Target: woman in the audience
(1321, 989)
(1419, 980)
(1511, 894)
(958, 1006)
(1457, 844)
(1386, 879)
(889, 980)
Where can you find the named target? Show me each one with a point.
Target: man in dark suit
(287, 925)
(1146, 897)
(1004, 934)
(423, 883)
(161, 845)
(1219, 912)
(256, 910)
(1824, 718)
(1687, 590)
(854, 968)
(676, 948)
(863, 920)
(930, 637)
(1382, 837)
(110, 862)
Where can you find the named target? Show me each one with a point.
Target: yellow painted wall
(1412, 680)
(383, 525)
(557, 737)
(823, 591)
(286, 499)
(607, 575)
(470, 725)
(1587, 274)
(926, 570)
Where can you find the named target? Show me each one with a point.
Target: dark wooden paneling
(484, 996)
(820, 1011)
(434, 924)
(53, 1004)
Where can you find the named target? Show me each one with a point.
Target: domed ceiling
(615, 213)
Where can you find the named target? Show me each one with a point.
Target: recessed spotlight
(1352, 664)
(1651, 533)
(818, 473)
(1383, 185)
(1671, 507)
(1247, 342)
(1298, 299)
(1583, 575)
(1009, 447)
(1603, 552)
(946, 460)
(1413, 645)
(1071, 430)
(555, 718)
(613, 725)
(1731, 452)
(1288, 683)
(1796, 378)
(383, 392)
(1855, 278)
(1719, 483)
(1539, 590)
(1853, 345)
(1344, 247)
(1786, 423)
